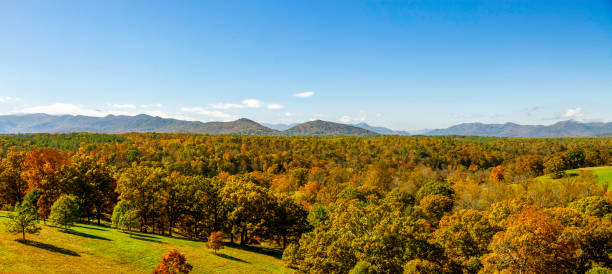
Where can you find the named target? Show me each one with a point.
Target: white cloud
(212, 114)
(247, 103)
(306, 94)
(252, 103)
(275, 106)
(158, 105)
(124, 106)
(361, 117)
(9, 99)
(573, 113)
(62, 108)
(226, 106)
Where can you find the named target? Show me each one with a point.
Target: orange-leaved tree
(215, 241)
(173, 262)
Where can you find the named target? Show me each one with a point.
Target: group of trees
(380, 204)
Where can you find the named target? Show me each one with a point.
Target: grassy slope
(603, 173)
(97, 249)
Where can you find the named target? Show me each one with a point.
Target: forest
(380, 204)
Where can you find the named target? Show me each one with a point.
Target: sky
(401, 64)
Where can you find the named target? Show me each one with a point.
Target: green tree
(575, 158)
(435, 188)
(140, 186)
(125, 217)
(129, 220)
(248, 205)
(92, 182)
(65, 211)
(23, 220)
(465, 237)
(593, 206)
(556, 166)
(32, 197)
(289, 220)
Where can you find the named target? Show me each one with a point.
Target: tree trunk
(99, 213)
(23, 234)
(243, 236)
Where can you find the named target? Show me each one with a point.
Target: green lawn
(604, 174)
(89, 248)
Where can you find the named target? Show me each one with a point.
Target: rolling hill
(319, 127)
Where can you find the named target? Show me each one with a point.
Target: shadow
(139, 234)
(146, 239)
(274, 252)
(81, 234)
(225, 256)
(93, 228)
(49, 247)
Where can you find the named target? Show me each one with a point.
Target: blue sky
(401, 64)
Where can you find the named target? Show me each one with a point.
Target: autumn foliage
(215, 241)
(173, 263)
(387, 204)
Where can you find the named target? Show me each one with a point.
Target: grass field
(604, 174)
(88, 248)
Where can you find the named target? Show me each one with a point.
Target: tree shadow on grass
(225, 256)
(49, 247)
(137, 237)
(81, 234)
(140, 235)
(274, 252)
(89, 227)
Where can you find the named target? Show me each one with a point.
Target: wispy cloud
(124, 106)
(361, 117)
(210, 114)
(247, 103)
(9, 99)
(158, 105)
(72, 109)
(275, 106)
(306, 94)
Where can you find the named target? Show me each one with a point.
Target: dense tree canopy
(384, 204)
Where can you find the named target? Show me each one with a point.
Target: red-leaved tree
(173, 262)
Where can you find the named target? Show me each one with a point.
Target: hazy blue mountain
(280, 127)
(381, 130)
(568, 128)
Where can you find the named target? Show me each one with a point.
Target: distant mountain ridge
(382, 130)
(569, 128)
(44, 123)
(319, 127)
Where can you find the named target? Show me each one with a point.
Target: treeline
(380, 204)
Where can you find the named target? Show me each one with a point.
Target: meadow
(89, 248)
(603, 174)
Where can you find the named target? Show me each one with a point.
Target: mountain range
(569, 128)
(36, 123)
